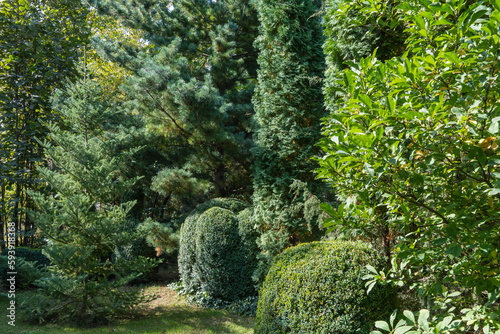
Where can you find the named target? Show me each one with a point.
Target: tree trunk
(220, 175)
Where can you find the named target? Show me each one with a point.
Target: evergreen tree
(88, 229)
(195, 85)
(289, 106)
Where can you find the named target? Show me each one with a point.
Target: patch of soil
(168, 272)
(166, 298)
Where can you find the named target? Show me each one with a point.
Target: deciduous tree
(416, 137)
(39, 46)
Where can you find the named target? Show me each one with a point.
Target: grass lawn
(167, 314)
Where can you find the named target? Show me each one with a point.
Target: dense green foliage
(195, 86)
(413, 144)
(89, 232)
(350, 37)
(220, 270)
(29, 254)
(188, 240)
(39, 47)
(27, 272)
(218, 250)
(288, 105)
(248, 242)
(198, 101)
(221, 262)
(318, 288)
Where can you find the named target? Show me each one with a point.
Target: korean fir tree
(88, 230)
(289, 106)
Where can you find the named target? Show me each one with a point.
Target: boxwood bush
(318, 288)
(248, 235)
(221, 263)
(187, 244)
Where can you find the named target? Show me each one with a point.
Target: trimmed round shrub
(187, 243)
(221, 263)
(318, 288)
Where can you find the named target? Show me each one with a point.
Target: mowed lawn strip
(170, 313)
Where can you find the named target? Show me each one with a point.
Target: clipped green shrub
(221, 259)
(187, 243)
(318, 288)
(30, 254)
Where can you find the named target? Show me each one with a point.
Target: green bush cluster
(187, 244)
(220, 258)
(218, 252)
(318, 288)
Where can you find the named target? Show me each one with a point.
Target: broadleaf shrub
(318, 288)
(412, 147)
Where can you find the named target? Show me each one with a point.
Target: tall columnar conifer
(289, 105)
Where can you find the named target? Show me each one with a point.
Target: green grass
(169, 314)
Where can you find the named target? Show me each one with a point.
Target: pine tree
(88, 231)
(289, 106)
(195, 85)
